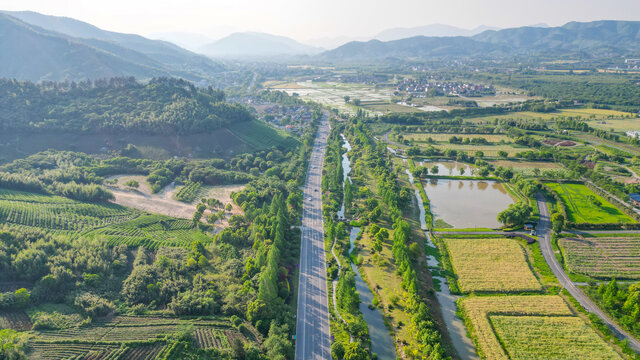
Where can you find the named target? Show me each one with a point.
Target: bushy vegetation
(161, 106)
(621, 301)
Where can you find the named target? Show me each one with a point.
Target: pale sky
(309, 19)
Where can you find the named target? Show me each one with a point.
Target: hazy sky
(308, 19)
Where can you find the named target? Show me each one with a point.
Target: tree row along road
(312, 323)
(558, 271)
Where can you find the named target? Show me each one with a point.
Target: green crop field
(151, 231)
(261, 136)
(603, 257)
(189, 192)
(550, 337)
(58, 213)
(119, 225)
(494, 265)
(581, 209)
(108, 338)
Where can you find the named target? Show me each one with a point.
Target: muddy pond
(467, 203)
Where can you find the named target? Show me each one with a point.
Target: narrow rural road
(544, 227)
(312, 324)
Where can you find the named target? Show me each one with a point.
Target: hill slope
(597, 39)
(620, 36)
(419, 46)
(31, 52)
(439, 30)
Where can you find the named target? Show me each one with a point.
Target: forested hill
(595, 39)
(161, 106)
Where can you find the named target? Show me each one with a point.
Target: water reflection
(467, 203)
(451, 168)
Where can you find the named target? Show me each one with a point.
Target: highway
(547, 251)
(312, 323)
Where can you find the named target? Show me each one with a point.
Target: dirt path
(153, 203)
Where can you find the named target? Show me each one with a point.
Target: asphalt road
(312, 326)
(547, 251)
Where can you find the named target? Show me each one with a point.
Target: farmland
(491, 265)
(151, 231)
(477, 310)
(132, 337)
(58, 213)
(550, 337)
(610, 257)
(582, 205)
(119, 225)
(189, 192)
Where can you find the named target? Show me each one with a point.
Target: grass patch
(259, 135)
(582, 205)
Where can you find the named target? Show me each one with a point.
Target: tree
(347, 98)
(22, 297)
(503, 153)
(515, 214)
(479, 154)
(337, 350)
(435, 169)
(132, 183)
(355, 351)
(277, 344)
(557, 221)
(12, 344)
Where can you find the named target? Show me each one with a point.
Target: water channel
(382, 343)
(455, 325)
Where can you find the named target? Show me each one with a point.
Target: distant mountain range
(439, 30)
(189, 41)
(253, 44)
(41, 47)
(597, 39)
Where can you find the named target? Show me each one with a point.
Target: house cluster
(634, 134)
(447, 88)
(291, 118)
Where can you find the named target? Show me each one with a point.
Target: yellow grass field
(478, 309)
(542, 165)
(583, 113)
(492, 265)
(620, 125)
(546, 338)
(445, 137)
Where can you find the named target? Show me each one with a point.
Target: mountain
(597, 38)
(253, 44)
(187, 40)
(169, 57)
(31, 53)
(333, 42)
(436, 30)
(622, 37)
(415, 47)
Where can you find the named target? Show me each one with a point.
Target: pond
(451, 168)
(467, 203)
